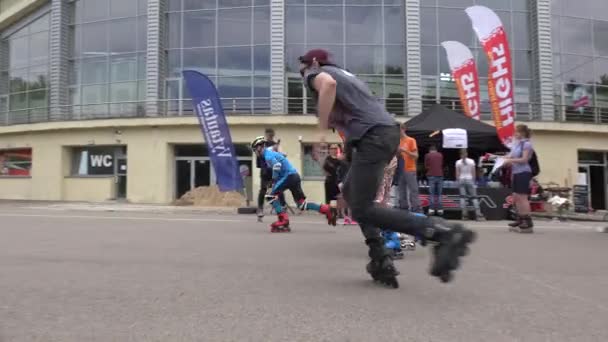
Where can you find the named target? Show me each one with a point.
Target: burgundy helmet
(322, 56)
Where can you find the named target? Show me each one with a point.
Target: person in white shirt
(465, 175)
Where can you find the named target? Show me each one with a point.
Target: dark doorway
(597, 184)
(202, 173)
(183, 176)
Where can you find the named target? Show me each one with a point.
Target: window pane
(94, 39)
(40, 24)
(521, 64)
(324, 25)
(394, 25)
(123, 8)
(494, 4)
(38, 77)
(123, 35)
(428, 26)
(198, 4)
(38, 99)
(234, 3)
(600, 34)
(577, 69)
(601, 71)
(233, 87)
(364, 59)
(94, 94)
(142, 8)
(175, 5)
(395, 60)
(454, 25)
(18, 52)
(125, 91)
(142, 34)
(292, 52)
(311, 164)
(454, 3)
(555, 34)
(429, 60)
(94, 10)
(141, 66)
(174, 64)
(261, 59)
(234, 61)
(234, 26)
(199, 29)
(18, 80)
(18, 101)
(576, 36)
(202, 60)
(261, 29)
(521, 31)
(363, 24)
(261, 86)
(123, 68)
(174, 30)
(4, 82)
(294, 22)
(172, 94)
(94, 70)
(395, 100)
(39, 48)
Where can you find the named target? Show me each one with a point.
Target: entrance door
(183, 177)
(121, 178)
(597, 182)
(202, 173)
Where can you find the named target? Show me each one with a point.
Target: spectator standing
(433, 163)
(330, 167)
(408, 184)
(466, 173)
(519, 159)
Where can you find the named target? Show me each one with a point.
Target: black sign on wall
(581, 198)
(101, 164)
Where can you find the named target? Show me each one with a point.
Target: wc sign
(96, 163)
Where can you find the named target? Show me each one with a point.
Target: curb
(570, 217)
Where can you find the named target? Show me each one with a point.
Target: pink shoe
(348, 221)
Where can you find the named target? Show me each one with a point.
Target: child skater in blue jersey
(286, 177)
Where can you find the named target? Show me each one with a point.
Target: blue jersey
(281, 167)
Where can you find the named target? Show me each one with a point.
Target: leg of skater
(294, 184)
(361, 185)
(282, 222)
(473, 193)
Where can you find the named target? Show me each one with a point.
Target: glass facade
(24, 73)
(443, 20)
(108, 58)
(580, 59)
(364, 36)
(229, 41)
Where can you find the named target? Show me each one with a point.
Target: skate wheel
(446, 278)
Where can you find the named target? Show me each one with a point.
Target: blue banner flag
(210, 114)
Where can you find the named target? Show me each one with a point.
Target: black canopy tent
(481, 136)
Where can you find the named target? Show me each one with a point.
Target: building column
(413, 88)
(155, 58)
(59, 46)
(277, 59)
(542, 61)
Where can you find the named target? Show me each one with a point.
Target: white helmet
(261, 140)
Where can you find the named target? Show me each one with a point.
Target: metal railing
(263, 106)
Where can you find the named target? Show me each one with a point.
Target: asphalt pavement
(69, 275)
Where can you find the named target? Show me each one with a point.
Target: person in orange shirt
(408, 184)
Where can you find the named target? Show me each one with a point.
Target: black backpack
(533, 162)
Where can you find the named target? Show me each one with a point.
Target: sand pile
(210, 196)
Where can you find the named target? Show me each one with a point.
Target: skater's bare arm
(325, 85)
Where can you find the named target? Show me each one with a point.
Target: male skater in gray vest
(345, 103)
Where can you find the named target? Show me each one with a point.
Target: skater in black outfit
(331, 166)
(266, 174)
(345, 103)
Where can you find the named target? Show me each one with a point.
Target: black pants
(264, 184)
(331, 189)
(370, 155)
(293, 183)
